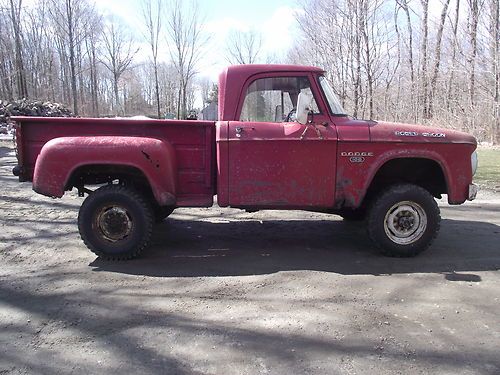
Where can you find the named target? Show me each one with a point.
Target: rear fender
(60, 157)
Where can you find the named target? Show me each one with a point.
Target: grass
(488, 171)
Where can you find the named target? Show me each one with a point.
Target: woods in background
(66, 51)
(426, 61)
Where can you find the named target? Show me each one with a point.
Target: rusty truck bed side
(193, 142)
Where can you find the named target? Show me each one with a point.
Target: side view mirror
(303, 108)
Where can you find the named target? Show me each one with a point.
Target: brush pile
(26, 107)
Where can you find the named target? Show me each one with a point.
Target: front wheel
(404, 220)
(115, 222)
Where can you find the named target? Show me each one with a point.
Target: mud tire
(115, 222)
(387, 226)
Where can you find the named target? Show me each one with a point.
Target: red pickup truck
(282, 141)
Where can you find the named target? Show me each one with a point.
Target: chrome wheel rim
(114, 223)
(405, 222)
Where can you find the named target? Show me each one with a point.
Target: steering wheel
(291, 115)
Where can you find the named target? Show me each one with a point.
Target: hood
(381, 131)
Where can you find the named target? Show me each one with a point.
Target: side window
(274, 99)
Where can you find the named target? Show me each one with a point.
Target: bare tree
(71, 18)
(406, 9)
(369, 50)
(204, 85)
(494, 31)
(119, 52)
(455, 43)
(243, 47)
(187, 38)
(152, 17)
(7, 86)
(437, 56)
(327, 27)
(424, 100)
(474, 8)
(169, 87)
(356, 59)
(91, 45)
(15, 17)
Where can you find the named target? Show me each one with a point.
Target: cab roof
(251, 69)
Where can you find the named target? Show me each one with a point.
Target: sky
(275, 19)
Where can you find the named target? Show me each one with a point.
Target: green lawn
(488, 171)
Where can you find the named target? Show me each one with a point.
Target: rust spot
(147, 156)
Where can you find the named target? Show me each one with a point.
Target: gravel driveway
(225, 292)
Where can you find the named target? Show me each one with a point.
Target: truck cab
(273, 160)
(283, 141)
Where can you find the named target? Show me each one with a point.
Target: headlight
(473, 161)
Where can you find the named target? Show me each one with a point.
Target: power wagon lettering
(416, 134)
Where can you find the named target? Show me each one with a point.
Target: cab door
(273, 161)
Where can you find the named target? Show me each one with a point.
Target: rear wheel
(404, 220)
(115, 222)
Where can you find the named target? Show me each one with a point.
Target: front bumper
(473, 189)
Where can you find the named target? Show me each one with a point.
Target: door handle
(239, 130)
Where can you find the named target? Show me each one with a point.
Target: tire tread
(377, 205)
(131, 194)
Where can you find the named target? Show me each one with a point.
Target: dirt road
(227, 292)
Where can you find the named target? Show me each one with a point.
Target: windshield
(332, 99)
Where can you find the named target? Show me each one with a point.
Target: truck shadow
(5, 151)
(190, 248)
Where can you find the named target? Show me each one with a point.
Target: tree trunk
(424, 63)
(437, 57)
(93, 80)
(117, 97)
(184, 100)
(453, 57)
(20, 72)
(357, 48)
(474, 20)
(368, 62)
(179, 101)
(404, 5)
(157, 89)
(495, 68)
(71, 37)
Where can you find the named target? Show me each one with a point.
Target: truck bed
(193, 142)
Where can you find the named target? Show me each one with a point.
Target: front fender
(354, 179)
(60, 157)
(405, 153)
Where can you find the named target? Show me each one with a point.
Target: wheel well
(426, 173)
(97, 174)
